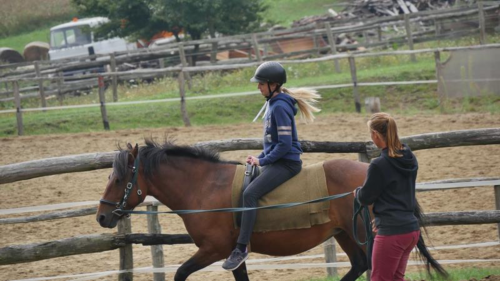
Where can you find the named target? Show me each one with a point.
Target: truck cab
(76, 39)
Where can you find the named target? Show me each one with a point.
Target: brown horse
(193, 178)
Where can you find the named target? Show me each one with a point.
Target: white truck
(76, 39)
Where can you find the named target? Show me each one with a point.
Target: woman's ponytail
(385, 125)
(305, 99)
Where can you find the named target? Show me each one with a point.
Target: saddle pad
(309, 184)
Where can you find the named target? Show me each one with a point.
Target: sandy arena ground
(462, 162)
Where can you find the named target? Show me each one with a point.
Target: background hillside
(25, 21)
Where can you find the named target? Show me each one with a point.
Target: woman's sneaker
(236, 258)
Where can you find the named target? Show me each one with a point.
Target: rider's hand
(253, 160)
(249, 159)
(374, 228)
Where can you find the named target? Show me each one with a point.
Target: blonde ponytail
(385, 125)
(306, 98)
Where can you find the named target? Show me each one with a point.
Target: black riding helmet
(270, 72)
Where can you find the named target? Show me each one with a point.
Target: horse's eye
(117, 181)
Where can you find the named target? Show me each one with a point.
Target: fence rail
(182, 71)
(97, 243)
(105, 242)
(247, 41)
(93, 161)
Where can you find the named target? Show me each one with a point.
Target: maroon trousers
(390, 255)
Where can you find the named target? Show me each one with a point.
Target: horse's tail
(424, 254)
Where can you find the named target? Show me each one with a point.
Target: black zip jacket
(390, 187)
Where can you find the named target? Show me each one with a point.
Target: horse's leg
(240, 274)
(356, 255)
(200, 260)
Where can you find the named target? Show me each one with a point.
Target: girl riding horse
(281, 156)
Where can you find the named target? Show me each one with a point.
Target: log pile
(378, 8)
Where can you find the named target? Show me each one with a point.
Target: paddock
(435, 164)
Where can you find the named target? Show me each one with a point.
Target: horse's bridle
(120, 206)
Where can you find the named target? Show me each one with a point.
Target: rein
(364, 213)
(120, 211)
(234, 210)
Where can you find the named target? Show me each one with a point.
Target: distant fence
(104, 242)
(182, 73)
(451, 23)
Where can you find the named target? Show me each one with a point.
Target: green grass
(24, 16)
(455, 275)
(284, 12)
(409, 99)
(18, 42)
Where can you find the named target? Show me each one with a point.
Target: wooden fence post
(352, 65)
(102, 100)
(366, 38)
(182, 92)
(182, 56)
(379, 33)
(316, 38)
(409, 35)
(330, 256)
(213, 54)
(256, 48)
(40, 84)
(60, 81)
(442, 97)
(114, 81)
(437, 28)
(19, 114)
(333, 45)
(126, 253)
(482, 23)
(156, 250)
(497, 204)
(372, 105)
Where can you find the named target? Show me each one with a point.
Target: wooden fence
(123, 240)
(181, 53)
(183, 72)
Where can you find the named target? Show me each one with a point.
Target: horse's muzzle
(108, 221)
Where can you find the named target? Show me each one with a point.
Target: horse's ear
(129, 146)
(133, 152)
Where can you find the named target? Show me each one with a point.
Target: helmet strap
(271, 93)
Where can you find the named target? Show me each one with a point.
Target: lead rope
(265, 106)
(364, 213)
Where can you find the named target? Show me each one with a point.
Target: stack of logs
(378, 8)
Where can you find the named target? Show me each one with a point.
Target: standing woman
(280, 159)
(390, 187)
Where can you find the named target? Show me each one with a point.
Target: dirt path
(435, 164)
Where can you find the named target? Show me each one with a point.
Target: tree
(143, 18)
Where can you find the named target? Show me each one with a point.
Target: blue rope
(364, 213)
(234, 210)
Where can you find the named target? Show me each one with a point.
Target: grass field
(397, 99)
(412, 99)
(284, 12)
(18, 42)
(25, 16)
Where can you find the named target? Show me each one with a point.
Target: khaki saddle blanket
(308, 185)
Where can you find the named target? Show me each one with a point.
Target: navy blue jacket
(280, 133)
(390, 187)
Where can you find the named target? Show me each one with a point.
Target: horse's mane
(153, 154)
